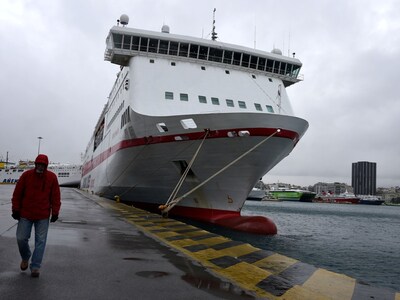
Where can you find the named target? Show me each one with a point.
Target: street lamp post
(39, 138)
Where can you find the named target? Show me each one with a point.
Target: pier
(101, 249)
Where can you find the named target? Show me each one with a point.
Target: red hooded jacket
(37, 195)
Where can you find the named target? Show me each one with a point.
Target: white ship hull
(67, 175)
(154, 123)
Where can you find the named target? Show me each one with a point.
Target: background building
(335, 188)
(363, 178)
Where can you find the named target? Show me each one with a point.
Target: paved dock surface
(100, 249)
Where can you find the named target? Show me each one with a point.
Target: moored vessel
(343, 198)
(191, 124)
(293, 195)
(68, 175)
(370, 200)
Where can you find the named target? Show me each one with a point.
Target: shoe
(35, 273)
(24, 265)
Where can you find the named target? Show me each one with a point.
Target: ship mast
(213, 33)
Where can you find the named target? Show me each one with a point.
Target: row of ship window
(202, 52)
(215, 101)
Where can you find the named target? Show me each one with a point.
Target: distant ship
(256, 194)
(293, 195)
(343, 198)
(67, 174)
(191, 124)
(370, 200)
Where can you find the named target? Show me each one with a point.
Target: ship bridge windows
(245, 60)
(117, 39)
(282, 69)
(127, 42)
(237, 56)
(215, 55)
(258, 106)
(144, 44)
(183, 49)
(153, 45)
(204, 52)
(228, 57)
(270, 65)
(194, 51)
(163, 47)
(261, 63)
(173, 48)
(253, 62)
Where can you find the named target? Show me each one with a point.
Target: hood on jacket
(42, 159)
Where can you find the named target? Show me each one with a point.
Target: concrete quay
(101, 249)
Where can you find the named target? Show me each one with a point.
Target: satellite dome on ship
(124, 19)
(165, 29)
(276, 51)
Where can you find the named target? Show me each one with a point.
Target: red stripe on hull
(89, 166)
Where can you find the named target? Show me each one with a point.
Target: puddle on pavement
(152, 274)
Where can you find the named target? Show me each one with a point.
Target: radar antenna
(213, 33)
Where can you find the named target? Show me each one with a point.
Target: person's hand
(53, 218)
(16, 215)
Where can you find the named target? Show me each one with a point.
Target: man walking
(36, 197)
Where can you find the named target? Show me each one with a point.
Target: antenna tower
(213, 33)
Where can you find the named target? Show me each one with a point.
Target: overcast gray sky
(54, 81)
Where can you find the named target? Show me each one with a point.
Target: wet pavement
(101, 249)
(93, 253)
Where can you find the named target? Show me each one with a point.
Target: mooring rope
(183, 177)
(171, 203)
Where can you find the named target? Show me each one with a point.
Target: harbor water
(361, 241)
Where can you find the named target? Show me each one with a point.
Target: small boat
(370, 200)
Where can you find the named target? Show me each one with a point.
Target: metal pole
(39, 138)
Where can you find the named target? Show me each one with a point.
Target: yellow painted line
(397, 296)
(238, 250)
(275, 263)
(334, 285)
(240, 272)
(299, 292)
(207, 254)
(164, 234)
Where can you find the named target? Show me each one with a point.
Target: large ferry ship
(191, 124)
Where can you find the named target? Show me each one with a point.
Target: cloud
(55, 83)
